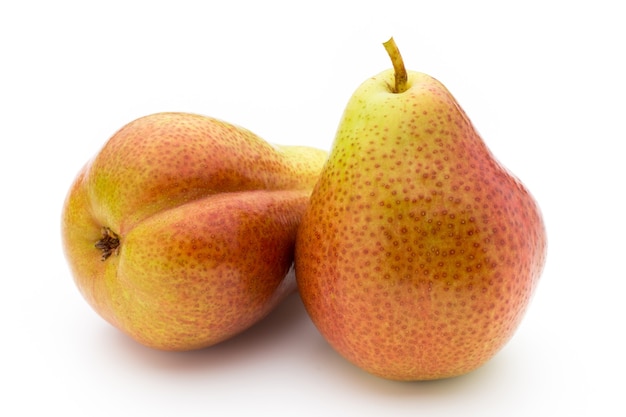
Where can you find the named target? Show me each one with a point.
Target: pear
(181, 231)
(419, 252)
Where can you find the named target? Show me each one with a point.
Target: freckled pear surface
(204, 271)
(419, 252)
(181, 230)
(160, 161)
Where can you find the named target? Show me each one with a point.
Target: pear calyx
(109, 243)
(398, 66)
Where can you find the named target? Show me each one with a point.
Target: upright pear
(419, 253)
(181, 230)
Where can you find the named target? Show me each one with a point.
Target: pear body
(181, 230)
(418, 254)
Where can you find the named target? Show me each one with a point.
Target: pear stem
(398, 66)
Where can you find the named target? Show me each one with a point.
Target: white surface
(542, 81)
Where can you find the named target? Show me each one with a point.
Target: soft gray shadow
(257, 340)
(289, 326)
(501, 369)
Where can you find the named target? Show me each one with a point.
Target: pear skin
(419, 252)
(181, 231)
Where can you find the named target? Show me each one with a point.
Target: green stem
(398, 66)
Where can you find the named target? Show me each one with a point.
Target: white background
(543, 81)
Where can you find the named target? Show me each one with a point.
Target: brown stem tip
(109, 243)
